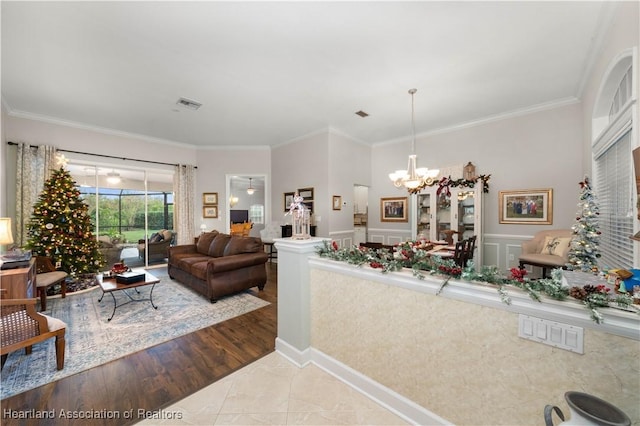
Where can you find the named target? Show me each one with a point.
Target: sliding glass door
(132, 211)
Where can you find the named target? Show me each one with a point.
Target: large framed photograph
(288, 199)
(210, 212)
(210, 198)
(530, 207)
(394, 209)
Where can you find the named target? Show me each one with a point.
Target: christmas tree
(583, 250)
(61, 229)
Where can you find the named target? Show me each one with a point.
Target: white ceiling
(267, 73)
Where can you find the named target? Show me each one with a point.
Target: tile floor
(273, 391)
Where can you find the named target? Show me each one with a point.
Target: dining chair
(46, 276)
(459, 253)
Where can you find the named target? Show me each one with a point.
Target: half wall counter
(461, 356)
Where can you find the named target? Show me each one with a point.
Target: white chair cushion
(47, 278)
(54, 324)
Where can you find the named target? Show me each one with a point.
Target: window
(256, 213)
(613, 143)
(614, 190)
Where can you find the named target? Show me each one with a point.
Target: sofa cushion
(240, 245)
(204, 241)
(543, 259)
(216, 249)
(186, 263)
(557, 246)
(199, 270)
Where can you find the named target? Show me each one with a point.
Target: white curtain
(183, 203)
(33, 169)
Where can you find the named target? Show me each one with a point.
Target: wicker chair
(46, 277)
(22, 327)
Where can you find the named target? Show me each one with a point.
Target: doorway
(360, 213)
(247, 201)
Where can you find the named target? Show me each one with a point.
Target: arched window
(613, 142)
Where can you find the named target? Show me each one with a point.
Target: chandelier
(414, 178)
(250, 189)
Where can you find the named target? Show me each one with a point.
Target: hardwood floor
(159, 376)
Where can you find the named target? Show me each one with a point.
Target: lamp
(203, 228)
(113, 177)
(233, 201)
(414, 178)
(5, 235)
(5, 231)
(250, 189)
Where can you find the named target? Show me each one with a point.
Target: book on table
(130, 277)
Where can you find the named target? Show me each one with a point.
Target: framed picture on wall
(306, 193)
(210, 212)
(337, 202)
(394, 209)
(210, 198)
(529, 206)
(288, 199)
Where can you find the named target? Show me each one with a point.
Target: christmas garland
(414, 255)
(446, 183)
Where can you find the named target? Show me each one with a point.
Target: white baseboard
(295, 356)
(391, 400)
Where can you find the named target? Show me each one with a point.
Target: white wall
(212, 164)
(622, 34)
(350, 163)
(3, 155)
(213, 167)
(302, 164)
(538, 150)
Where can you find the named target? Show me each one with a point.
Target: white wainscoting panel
(490, 253)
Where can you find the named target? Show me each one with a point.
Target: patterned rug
(91, 340)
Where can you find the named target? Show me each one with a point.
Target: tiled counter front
(461, 360)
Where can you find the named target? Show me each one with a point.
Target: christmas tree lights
(60, 227)
(583, 250)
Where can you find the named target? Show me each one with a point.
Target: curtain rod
(107, 156)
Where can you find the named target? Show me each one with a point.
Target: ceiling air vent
(362, 114)
(188, 103)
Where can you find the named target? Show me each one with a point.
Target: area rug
(91, 340)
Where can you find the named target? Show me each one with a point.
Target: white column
(293, 340)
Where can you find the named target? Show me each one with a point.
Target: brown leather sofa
(219, 264)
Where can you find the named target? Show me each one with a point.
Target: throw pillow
(155, 238)
(204, 241)
(557, 246)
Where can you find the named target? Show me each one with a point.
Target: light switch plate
(558, 335)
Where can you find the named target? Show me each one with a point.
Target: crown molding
(489, 119)
(91, 128)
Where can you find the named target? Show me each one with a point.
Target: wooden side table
(273, 253)
(18, 283)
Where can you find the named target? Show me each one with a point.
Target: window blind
(614, 183)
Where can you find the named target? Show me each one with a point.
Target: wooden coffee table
(109, 285)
